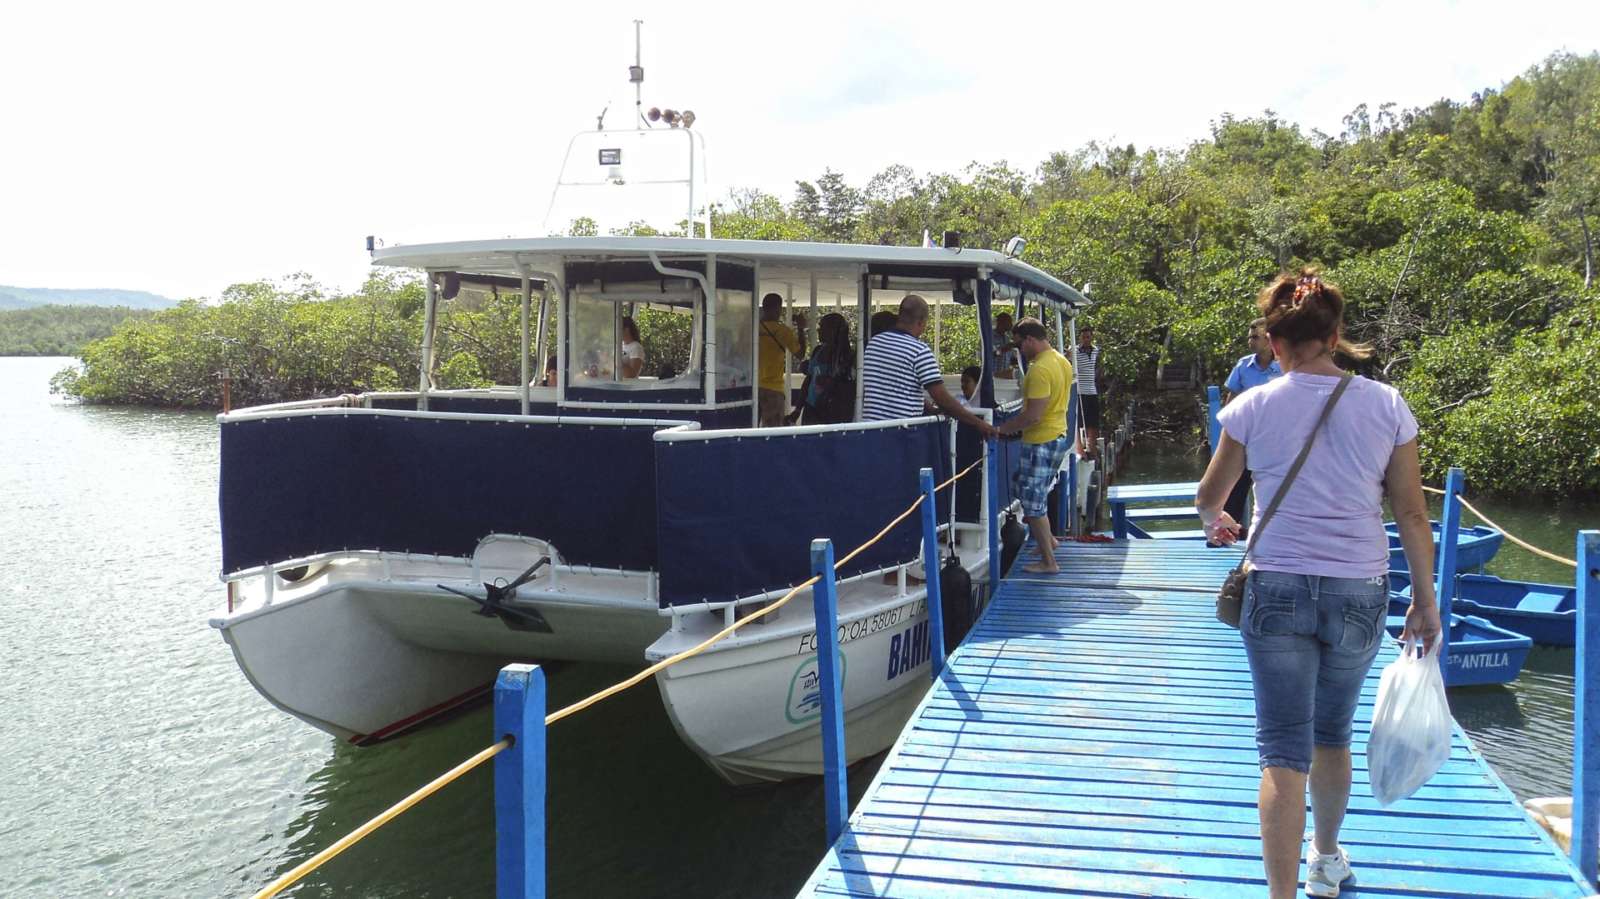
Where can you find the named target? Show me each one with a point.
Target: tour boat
(387, 553)
(1545, 613)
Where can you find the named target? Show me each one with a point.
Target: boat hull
(1480, 653)
(751, 708)
(367, 661)
(1545, 613)
(1474, 548)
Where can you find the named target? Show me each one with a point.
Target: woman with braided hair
(1318, 587)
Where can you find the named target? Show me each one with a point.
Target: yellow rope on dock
(316, 861)
(1509, 536)
(355, 836)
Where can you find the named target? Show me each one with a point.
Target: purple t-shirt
(1331, 521)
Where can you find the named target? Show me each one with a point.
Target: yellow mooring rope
(355, 836)
(1509, 536)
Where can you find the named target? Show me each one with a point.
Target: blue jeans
(1310, 641)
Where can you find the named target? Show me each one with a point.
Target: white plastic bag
(1411, 725)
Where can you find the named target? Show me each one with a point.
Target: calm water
(136, 761)
(1524, 728)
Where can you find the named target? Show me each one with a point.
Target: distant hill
(30, 297)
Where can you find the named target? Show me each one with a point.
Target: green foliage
(59, 330)
(1461, 234)
(1537, 429)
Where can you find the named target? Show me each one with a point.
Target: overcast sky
(179, 148)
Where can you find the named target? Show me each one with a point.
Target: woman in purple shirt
(1317, 593)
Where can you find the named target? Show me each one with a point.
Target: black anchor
(493, 602)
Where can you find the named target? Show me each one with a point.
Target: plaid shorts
(1040, 464)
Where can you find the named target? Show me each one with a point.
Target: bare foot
(1041, 568)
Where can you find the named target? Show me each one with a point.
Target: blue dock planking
(1095, 735)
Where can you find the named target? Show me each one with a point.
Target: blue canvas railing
(728, 503)
(298, 484)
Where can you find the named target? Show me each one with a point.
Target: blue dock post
(1585, 714)
(519, 783)
(930, 573)
(1449, 535)
(1213, 407)
(993, 475)
(824, 600)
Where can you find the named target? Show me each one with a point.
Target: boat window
(602, 326)
(735, 338)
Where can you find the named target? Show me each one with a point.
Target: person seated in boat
(1318, 593)
(899, 372)
(550, 374)
(776, 338)
(632, 350)
(970, 376)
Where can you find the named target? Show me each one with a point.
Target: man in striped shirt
(1091, 384)
(898, 370)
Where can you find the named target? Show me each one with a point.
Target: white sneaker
(1324, 873)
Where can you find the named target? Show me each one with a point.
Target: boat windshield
(634, 337)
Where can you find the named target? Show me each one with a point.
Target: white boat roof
(790, 263)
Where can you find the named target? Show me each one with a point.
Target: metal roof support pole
(1586, 714)
(985, 300)
(755, 348)
(864, 308)
(429, 309)
(788, 360)
(527, 303)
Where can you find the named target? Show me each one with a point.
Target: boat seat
(1541, 602)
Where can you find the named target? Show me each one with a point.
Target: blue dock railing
(1586, 713)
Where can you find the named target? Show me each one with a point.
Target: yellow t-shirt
(775, 338)
(1049, 375)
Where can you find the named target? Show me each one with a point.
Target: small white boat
(386, 554)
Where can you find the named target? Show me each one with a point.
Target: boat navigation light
(1016, 245)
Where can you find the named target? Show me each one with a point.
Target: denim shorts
(1310, 641)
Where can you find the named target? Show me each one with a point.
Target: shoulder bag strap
(1299, 461)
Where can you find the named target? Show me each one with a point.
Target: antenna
(636, 72)
(600, 122)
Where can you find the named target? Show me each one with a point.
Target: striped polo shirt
(895, 371)
(1086, 365)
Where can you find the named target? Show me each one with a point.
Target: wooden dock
(1095, 735)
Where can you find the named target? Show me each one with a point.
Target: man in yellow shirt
(775, 338)
(1043, 426)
